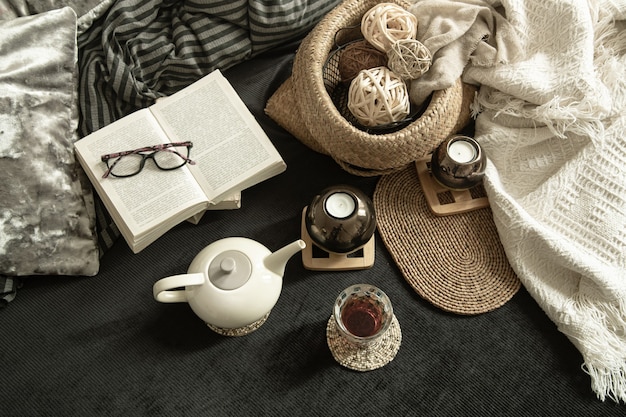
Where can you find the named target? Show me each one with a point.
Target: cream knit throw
(553, 125)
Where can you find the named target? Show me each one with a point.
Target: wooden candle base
(443, 201)
(316, 258)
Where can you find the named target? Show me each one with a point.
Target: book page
(150, 197)
(232, 150)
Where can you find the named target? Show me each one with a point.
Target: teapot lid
(230, 270)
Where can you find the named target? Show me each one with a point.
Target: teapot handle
(163, 289)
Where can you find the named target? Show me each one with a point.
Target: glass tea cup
(363, 314)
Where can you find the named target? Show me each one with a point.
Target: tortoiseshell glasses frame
(129, 163)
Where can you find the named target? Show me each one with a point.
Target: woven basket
(303, 106)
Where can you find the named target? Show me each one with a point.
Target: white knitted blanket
(553, 125)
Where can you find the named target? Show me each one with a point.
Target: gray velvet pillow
(47, 221)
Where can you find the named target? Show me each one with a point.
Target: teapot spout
(277, 261)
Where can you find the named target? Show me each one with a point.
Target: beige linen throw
(553, 123)
(457, 32)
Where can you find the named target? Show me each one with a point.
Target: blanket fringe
(610, 62)
(561, 115)
(609, 383)
(603, 325)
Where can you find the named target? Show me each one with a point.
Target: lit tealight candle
(340, 205)
(462, 151)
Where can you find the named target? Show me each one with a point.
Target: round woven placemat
(364, 358)
(455, 262)
(239, 331)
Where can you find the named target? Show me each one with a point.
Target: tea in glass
(363, 313)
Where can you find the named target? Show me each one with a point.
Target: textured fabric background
(103, 346)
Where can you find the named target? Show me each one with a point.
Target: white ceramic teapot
(231, 283)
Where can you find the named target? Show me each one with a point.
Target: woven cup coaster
(455, 262)
(364, 358)
(239, 331)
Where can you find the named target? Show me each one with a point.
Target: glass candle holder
(458, 163)
(363, 314)
(340, 219)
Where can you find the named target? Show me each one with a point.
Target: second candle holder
(451, 178)
(338, 227)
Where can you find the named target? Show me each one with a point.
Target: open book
(230, 150)
(231, 202)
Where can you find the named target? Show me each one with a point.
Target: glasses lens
(171, 158)
(126, 165)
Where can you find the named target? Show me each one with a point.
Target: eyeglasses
(167, 156)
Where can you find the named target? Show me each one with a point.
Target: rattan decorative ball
(357, 56)
(409, 58)
(378, 97)
(386, 23)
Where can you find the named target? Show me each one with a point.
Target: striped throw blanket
(140, 50)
